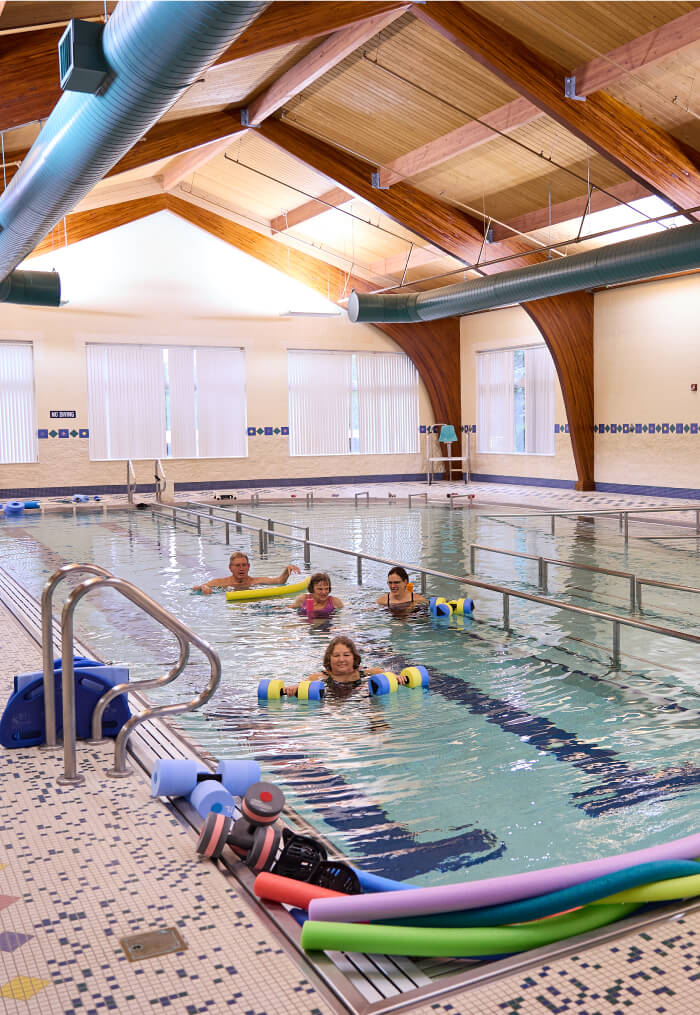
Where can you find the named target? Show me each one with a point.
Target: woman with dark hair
(317, 603)
(341, 668)
(400, 596)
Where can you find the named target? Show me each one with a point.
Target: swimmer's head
(319, 578)
(341, 642)
(239, 565)
(397, 576)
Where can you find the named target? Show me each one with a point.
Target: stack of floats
(493, 917)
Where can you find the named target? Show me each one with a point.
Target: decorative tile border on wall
(268, 431)
(44, 434)
(646, 428)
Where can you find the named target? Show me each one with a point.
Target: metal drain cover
(151, 943)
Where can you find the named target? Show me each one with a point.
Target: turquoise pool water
(528, 750)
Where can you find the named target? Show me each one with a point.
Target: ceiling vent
(81, 62)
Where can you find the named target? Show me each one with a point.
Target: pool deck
(81, 868)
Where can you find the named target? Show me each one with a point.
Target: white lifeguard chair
(446, 436)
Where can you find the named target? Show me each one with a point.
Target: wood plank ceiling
(388, 144)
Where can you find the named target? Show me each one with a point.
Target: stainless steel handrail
(363, 493)
(130, 475)
(185, 637)
(270, 532)
(661, 585)
(244, 514)
(543, 562)
(161, 481)
(461, 496)
(623, 516)
(47, 641)
(412, 495)
(227, 522)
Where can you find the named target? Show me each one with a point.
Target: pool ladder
(104, 579)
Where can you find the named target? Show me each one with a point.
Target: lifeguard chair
(446, 436)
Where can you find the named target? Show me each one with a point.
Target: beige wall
(502, 329)
(59, 338)
(647, 354)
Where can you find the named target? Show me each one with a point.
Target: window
(166, 402)
(352, 403)
(18, 441)
(516, 401)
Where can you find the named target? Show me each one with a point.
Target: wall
(501, 329)
(647, 355)
(59, 338)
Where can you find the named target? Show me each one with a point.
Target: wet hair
(320, 576)
(400, 571)
(340, 640)
(238, 553)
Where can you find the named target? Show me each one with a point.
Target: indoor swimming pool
(528, 750)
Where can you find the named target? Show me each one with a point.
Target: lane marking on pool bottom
(621, 784)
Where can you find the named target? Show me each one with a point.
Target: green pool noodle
(319, 935)
(658, 891)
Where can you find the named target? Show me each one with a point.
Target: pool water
(528, 750)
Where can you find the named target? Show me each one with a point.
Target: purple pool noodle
(468, 895)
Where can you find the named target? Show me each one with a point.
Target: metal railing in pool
(623, 516)
(130, 481)
(364, 493)
(186, 637)
(412, 496)
(544, 562)
(507, 593)
(175, 510)
(661, 585)
(271, 522)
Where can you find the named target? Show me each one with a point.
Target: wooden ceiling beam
(567, 211)
(283, 24)
(331, 199)
(319, 61)
(190, 161)
(82, 225)
(30, 80)
(619, 133)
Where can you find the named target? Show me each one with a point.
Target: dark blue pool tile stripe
(387, 848)
(621, 784)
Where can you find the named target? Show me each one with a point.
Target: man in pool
(240, 577)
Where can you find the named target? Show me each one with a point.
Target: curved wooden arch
(566, 324)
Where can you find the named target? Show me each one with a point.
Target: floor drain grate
(152, 943)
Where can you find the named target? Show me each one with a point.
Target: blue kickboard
(22, 722)
(79, 662)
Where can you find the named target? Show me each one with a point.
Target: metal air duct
(661, 254)
(154, 50)
(33, 288)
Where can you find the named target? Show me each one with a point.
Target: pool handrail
(185, 637)
(130, 481)
(506, 592)
(47, 642)
(623, 515)
(362, 493)
(227, 522)
(544, 562)
(663, 585)
(247, 514)
(423, 493)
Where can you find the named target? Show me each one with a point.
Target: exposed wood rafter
(324, 57)
(640, 148)
(332, 198)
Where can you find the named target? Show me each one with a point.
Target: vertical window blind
(18, 442)
(515, 394)
(343, 402)
(166, 402)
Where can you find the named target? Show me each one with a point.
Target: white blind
(221, 415)
(126, 394)
(539, 402)
(320, 389)
(136, 393)
(18, 441)
(387, 395)
(495, 396)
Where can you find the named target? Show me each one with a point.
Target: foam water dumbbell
(461, 607)
(439, 607)
(416, 676)
(308, 690)
(262, 803)
(383, 683)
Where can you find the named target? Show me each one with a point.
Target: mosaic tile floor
(80, 868)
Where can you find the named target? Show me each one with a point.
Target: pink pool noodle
(470, 894)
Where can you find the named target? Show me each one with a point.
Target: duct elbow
(379, 308)
(32, 288)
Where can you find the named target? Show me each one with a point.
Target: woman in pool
(317, 603)
(240, 577)
(341, 668)
(400, 596)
